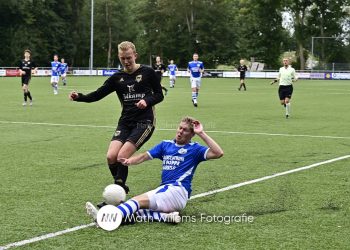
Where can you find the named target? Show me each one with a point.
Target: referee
(286, 77)
(138, 89)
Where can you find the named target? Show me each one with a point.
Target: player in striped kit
(196, 69)
(63, 71)
(172, 73)
(180, 159)
(55, 66)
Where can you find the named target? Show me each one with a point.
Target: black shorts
(242, 77)
(25, 80)
(285, 91)
(137, 133)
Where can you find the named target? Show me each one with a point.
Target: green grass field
(50, 166)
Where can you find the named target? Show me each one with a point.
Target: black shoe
(239, 89)
(126, 188)
(287, 116)
(194, 103)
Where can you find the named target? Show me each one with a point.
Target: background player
(159, 68)
(242, 69)
(63, 71)
(138, 89)
(25, 70)
(172, 73)
(196, 69)
(55, 66)
(180, 159)
(286, 77)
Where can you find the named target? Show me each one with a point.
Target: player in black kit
(160, 68)
(242, 69)
(138, 89)
(25, 70)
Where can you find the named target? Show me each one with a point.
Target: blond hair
(126, 45)
(189, 121)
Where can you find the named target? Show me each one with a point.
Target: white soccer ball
(114, 194)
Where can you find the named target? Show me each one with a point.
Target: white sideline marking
(45, 236)
(51, 235)
(268, 177)
(166, 129)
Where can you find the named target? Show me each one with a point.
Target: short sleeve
(156, 151)
(201, 153)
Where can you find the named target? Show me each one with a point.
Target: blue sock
(194, 96)
(197, 94)
(129, 207)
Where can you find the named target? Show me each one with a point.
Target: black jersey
(158, 68)
(242, 69)
(27, 67)
(131, 88)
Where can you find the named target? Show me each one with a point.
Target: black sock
(164, 88)
(114, 169)
(25, 96)
(119, 172)
(123, 172)
(244, 86)
(29, 95)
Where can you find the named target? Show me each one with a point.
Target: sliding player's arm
(134, 160)
(215, 151)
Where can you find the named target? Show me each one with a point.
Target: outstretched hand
(73, 95)
(197, 127)
(125, 161)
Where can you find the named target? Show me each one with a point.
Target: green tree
(326, 21)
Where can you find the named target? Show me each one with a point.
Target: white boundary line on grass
(51, 235)
(166, 129)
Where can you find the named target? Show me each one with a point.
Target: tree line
(221, 31)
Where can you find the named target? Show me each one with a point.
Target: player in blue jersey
(63, 71)
(180, 158)
(196, 69)
(172, 73)
(55, 67)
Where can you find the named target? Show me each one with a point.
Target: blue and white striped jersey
(55, 66)
(195, 67)
(179, 161)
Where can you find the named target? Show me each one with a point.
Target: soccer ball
(114, 194)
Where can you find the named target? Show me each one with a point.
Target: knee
(121, 156)
(111, 157)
